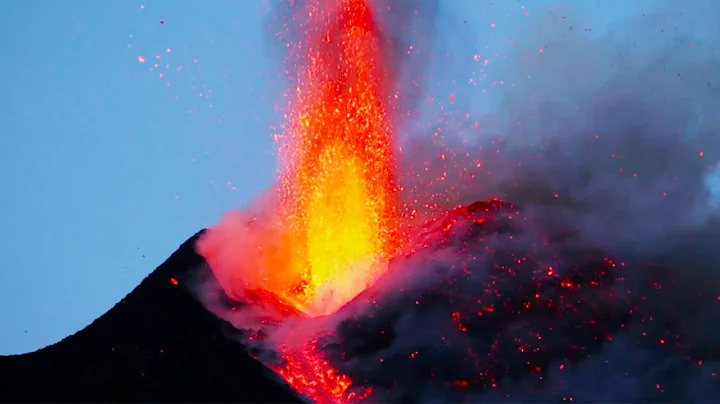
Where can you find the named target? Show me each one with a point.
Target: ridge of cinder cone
(158, 344)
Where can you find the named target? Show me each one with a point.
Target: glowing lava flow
(338, 187)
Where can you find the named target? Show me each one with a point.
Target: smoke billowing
(600, 280)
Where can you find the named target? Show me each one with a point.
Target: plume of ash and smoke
(599, 283)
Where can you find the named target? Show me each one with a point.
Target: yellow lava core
(338, 191)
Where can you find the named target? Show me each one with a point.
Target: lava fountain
(334, 221)
(337, 185)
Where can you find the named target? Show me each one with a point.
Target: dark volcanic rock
(157, 345)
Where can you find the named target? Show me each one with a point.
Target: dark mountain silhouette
(158, 344)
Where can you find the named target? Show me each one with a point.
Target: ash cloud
(609, 150)
(608, 154)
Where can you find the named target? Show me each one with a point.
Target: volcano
(431, 329)
(488, 308)
(564, 253)
(158, 344)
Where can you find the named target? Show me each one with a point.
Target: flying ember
(337, 185)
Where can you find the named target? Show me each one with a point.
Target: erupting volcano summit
(565, 251)
(361, 277)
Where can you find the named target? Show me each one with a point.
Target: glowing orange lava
(339, 213)
(338, 192)
(308, 372)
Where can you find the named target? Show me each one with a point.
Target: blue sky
(107, 167)
(108, 164)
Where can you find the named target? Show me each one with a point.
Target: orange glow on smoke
(337, 188)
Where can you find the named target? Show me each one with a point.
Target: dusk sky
(128, 126)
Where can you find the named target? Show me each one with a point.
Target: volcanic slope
(158, 344)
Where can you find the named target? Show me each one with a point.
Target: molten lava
(338, 192)
(338, 209)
